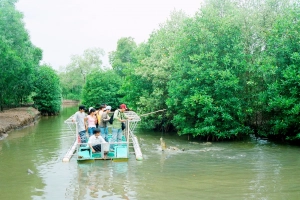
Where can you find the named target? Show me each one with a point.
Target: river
(254, 169)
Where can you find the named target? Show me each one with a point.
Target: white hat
(107, 108)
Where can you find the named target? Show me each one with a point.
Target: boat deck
(120, 150)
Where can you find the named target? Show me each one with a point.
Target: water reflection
(15, 160)
(266, 169)
(103, 180)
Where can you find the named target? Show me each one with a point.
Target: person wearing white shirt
(96, 140)
(79, 118)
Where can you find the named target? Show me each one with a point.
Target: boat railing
(131, 139)
(105, 147)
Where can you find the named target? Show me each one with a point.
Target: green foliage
(19, 58)
(71, 85)
(102, 87)
(121, 59)
(47, 96)
(73, 76)
(230, 70)
(145, 87)
(208, 99)
(283, 91)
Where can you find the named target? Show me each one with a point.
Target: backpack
(111, 120)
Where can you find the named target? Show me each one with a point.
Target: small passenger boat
(121, 150)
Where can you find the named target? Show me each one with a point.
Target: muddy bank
(16, 118)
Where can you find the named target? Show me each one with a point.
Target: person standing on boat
(103, 123)
(99, 113)
(96, 140)
(79, 118)
(117, 132)
(91, 120)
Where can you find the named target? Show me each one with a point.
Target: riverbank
(16, 118)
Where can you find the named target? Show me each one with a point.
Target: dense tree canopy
(230, 70)
(73, 76)
(19, 58)
(209, 101)
(283, 86)
(47, 97)
(122, 58)
(102, 88)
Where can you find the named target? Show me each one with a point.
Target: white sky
(62, 28)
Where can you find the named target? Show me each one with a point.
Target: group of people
(95, 123)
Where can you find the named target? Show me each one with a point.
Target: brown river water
(253, 169)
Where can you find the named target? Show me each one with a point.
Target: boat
(121, 151)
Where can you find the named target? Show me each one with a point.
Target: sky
(62, 28)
